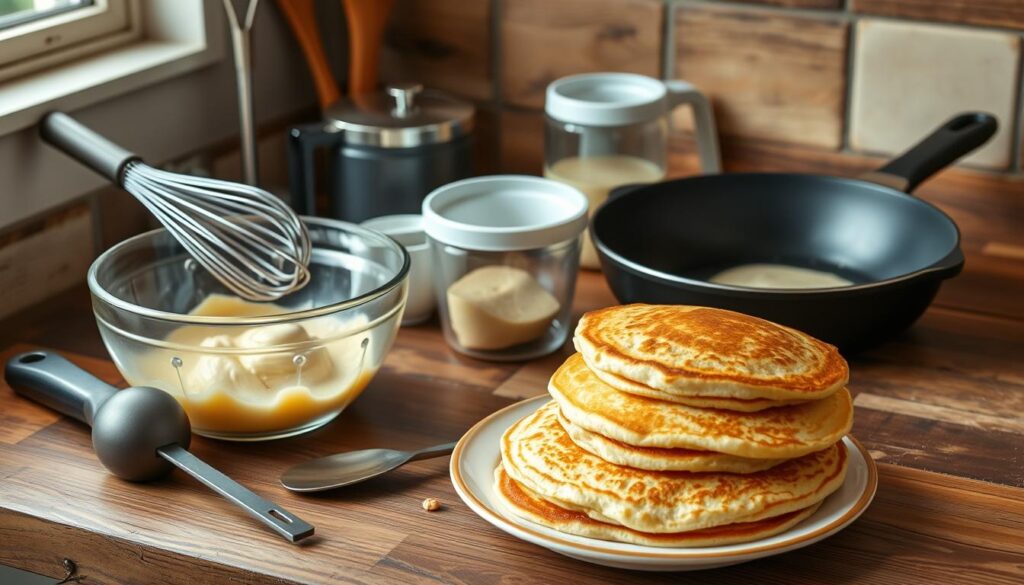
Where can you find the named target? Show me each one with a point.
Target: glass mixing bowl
(248, 371)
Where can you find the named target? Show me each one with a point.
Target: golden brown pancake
(775, 433)
(538, 453)
(700, 351)
(519, 501)
(657, 459)
(720, 402)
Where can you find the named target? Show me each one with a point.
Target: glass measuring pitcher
(605, 130)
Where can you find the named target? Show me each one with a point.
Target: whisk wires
(244, 236)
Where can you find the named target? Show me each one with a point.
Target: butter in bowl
(244, 370)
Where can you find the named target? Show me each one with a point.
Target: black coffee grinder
(386, 151)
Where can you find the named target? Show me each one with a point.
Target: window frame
(68, 35)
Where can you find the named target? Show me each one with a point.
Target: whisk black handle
(88, 147)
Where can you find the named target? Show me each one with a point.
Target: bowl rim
(105, 296)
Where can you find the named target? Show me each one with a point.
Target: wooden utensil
(366, 22)
(301, 16)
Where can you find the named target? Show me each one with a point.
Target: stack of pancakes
(681, 426)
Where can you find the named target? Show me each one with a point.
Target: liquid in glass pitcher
(605, 130)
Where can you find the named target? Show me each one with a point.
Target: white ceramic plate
(477, 454)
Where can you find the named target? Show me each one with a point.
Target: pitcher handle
(682, 92)
(303, 142)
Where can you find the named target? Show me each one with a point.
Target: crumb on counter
(431, 504)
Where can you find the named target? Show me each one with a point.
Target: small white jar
(407, 230)
(506, 252)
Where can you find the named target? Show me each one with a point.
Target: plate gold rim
(483, 510)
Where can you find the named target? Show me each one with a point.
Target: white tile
(908, 78)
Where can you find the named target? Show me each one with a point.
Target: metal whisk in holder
(247, 238)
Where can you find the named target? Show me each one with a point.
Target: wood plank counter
(941, 409)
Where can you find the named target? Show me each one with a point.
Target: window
(41, 33)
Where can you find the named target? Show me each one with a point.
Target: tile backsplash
(770, 75)
(995, 13)
(543, 40)
(856, 77)
(813, 86)
(445, 43)
(919, 73)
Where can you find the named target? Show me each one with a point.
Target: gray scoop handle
(86, 146)
(49, 379)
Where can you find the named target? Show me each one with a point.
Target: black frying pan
(659, 243)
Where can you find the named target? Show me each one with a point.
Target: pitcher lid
(606, 99)
(404, 115)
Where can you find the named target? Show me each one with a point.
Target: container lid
(504, 213)
(404, 115)
(606, 99)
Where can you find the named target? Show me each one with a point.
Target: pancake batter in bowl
(253, 381)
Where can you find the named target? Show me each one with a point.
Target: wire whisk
(247, 238)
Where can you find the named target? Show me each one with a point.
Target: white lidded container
(605, 130)
(506, 252)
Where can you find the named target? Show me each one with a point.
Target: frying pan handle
(957, 137)
(53, 381)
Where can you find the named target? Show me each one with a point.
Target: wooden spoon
(301, 16)
(366, 22)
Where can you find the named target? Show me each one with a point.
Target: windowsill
(162, 113)
(173, 42)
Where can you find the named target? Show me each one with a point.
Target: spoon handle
(431, 452)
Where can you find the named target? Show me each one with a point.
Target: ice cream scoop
(139, 433)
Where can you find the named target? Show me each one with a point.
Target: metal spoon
(343, 469)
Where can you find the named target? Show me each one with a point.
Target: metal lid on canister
(606, 99)
(404, 115)
(504, 213)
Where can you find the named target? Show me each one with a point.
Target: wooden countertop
(941, 409)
